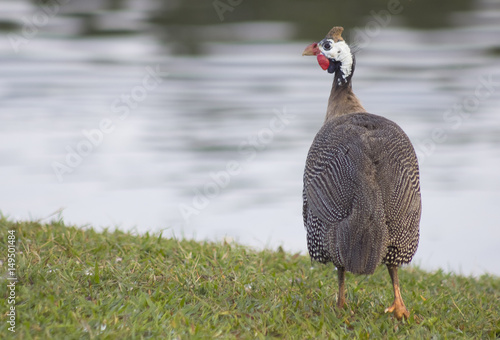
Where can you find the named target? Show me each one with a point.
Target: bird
(361, 190)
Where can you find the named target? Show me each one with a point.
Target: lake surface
(146, 116)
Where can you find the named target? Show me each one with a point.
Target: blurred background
(195, 117)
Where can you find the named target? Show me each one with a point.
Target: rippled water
(203, 130)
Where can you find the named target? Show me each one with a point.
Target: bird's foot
(399, 310)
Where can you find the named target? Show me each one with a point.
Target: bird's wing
(329, 183)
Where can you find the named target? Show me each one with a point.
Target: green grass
(76, 283)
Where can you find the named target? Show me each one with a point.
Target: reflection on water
(152, 116)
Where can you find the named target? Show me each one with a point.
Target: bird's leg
(341, 297)
(398, 307)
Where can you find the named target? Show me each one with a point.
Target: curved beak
(311, 49)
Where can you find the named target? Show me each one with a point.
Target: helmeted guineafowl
(361, 182)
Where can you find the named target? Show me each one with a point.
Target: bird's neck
(342, 100)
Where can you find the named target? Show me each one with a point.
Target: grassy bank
(78, 283)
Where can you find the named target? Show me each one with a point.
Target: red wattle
(323, 61)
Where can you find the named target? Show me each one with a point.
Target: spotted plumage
(361, 194)
(361, 197)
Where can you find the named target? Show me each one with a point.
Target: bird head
(333, 54)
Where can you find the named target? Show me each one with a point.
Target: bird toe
(399, 311)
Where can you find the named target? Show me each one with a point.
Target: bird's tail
(361, 244)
